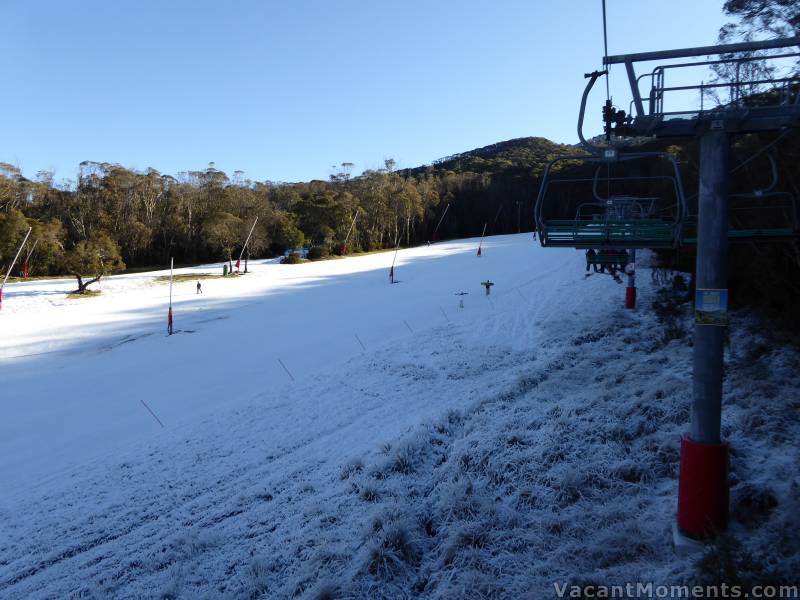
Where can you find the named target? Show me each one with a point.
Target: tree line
(113, 217)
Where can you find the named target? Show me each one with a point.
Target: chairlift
(632, 200)
(765, 214)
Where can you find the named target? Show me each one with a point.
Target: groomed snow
(484, 452)
(75, 371)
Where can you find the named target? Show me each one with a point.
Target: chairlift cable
(605, 48)
(608, 92)
(761, 151)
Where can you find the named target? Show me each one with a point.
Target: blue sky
(285, 89)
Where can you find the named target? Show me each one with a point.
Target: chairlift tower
(617, 223)
(703, 486)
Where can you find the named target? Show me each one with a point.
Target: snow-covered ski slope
(486, 452)
(74, 371)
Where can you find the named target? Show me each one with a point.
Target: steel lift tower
(703, 486)
(768, 104)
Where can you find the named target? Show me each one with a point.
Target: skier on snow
(590, 254)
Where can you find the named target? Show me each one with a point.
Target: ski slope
(76, 370)
(484, 452)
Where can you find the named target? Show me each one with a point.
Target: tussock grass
(83, 294)
(391, 551)
(190, 277)
(350, 468)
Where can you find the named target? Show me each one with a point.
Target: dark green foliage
(293, 258)
(752, 506)
(13, 228)
(670, 307)
(775, 18)
(95, 257)
(223, 231)
(521, 153)
(317, 252)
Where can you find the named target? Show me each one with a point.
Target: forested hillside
(141, 219)
(144, 218)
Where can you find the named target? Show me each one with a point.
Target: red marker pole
(630, 291)
(26, 262)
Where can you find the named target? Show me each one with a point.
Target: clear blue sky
(284, 89)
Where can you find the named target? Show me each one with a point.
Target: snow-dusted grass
(528, 441)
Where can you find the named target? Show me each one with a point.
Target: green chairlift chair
(616, 217)
(762, 215)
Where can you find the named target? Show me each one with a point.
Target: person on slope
(590, 254)
(612, 270)
(605, 267)
(199, 288)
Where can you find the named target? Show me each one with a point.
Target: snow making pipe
(440, 221)
(497, 216)
(25, 263)
(13, 262)
(391, 269)
(482, 235)
(349, 231)
(171, 266)
(169, 310)
(247, 241)
(30, 252)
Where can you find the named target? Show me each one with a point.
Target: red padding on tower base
(703, 488)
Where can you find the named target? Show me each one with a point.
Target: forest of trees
(113, 217)
(141, 219)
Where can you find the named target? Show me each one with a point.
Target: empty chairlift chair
(763, 215)
(633, 200)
